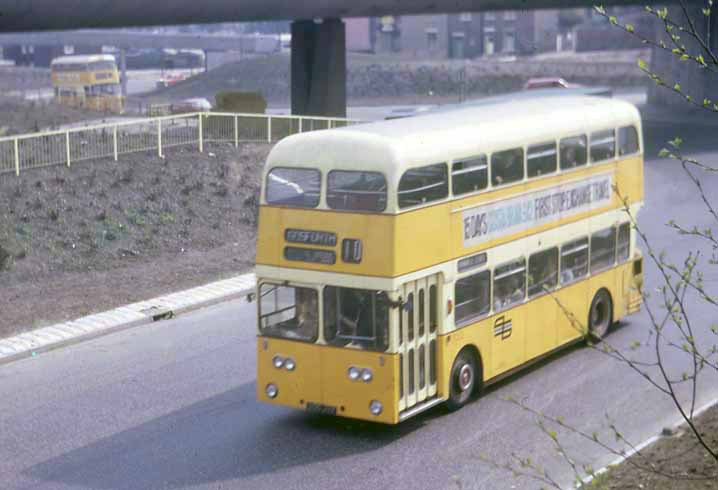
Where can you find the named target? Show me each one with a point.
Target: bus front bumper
(316, 378)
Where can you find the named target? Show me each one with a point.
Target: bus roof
(82, 58)
(393, 146)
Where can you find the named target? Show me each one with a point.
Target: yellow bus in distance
(89, 81)
(407, 263)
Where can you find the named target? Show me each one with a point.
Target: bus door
(418, 327)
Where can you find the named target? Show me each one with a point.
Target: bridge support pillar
(123, 71)
(319, 68)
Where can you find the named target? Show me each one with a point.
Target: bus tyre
(599, 316)
(464, 380)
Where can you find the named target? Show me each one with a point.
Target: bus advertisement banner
(501, 218)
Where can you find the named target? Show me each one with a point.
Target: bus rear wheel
(600, 315)
(465, 378)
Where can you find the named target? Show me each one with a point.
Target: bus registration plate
(320, 409)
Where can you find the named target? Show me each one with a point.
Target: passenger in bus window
(566, 275)
(307, 312)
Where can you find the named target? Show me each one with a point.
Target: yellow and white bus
(406, 263)
(90, 81)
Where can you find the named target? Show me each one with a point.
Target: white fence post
(17, 157)
(67, 147)
(114, 141)
(159, 138)
(300, 124)
(199, 126)
(269, 129)
(236, 131)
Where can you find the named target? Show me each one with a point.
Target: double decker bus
(408, 263)
(90, 81)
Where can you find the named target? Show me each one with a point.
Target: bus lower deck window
(288, 312)
(472, 295)
(624, 242)
(509, 284)
(543, 271)
(574, 260)
(356, 318)
(603, 249)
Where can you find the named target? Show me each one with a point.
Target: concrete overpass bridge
(143, 40)
(318, 67)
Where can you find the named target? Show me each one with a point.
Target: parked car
(191, 105)
(549, 82)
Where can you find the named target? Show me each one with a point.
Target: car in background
(170, 79)
(197, 104)
(549, 82)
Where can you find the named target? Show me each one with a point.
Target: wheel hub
(466, 377)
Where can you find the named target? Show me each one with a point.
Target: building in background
(40, 56)
(458, 36)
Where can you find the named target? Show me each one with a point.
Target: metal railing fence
(110, 140)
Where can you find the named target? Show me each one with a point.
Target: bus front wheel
(465, 377)
(600, 315)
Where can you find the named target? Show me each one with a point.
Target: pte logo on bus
(503, 327)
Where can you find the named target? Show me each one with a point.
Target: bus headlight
(375, 407)
(366, 375)
(354, 373)
(278, 362)
(271, 390)
(289, 364)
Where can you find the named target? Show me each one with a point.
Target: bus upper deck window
(541, 159)
(296, 187)
(603, 145)
(356, 191)
(627, 140)
(507, 166)
(469, 175)
(423, 184)
(573, 152)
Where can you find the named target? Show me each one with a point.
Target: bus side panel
(376, 233)
(624, 283)
(268, 239)
(424, 238)
(540, 325)
(508, 339)
(478, 335)
(629, 176)
(572, 303)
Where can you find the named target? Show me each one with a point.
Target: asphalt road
(172, 405)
